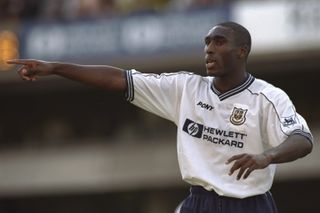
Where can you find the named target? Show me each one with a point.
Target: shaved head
(242, 36)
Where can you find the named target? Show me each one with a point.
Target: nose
(209, 48)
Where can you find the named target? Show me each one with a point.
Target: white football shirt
(213, 126)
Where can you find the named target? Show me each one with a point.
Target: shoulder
(164, 74)
(179, 76)
(268, 91)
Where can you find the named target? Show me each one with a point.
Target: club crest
(238, 116)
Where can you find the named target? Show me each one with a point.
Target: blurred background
(68, 147)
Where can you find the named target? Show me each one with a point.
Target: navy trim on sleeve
(129, 94)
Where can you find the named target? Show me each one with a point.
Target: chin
(214, 73)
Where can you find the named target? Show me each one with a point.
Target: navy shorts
(203, 201)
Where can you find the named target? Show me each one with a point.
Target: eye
(207, 40)
(219, 41)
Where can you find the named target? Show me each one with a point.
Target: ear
(243, 52)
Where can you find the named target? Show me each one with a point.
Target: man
(232, 128)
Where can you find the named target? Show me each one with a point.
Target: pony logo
(238, 116)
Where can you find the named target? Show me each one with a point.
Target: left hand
(246, 163)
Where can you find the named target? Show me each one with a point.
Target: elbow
(308, 146)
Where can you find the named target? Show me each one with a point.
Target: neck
(226, 83)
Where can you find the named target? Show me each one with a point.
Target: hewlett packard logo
(214, 135)
(192, 128)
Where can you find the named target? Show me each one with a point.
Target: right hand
(31, 69)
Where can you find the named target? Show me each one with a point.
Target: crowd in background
(59, 128)
(17, 10)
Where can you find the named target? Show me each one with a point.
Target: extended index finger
(20, 61)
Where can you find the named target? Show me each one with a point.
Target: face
(220, 52)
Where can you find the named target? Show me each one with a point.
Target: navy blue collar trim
(235, 90)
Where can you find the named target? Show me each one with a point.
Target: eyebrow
(214, 37)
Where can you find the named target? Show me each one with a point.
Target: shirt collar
(235, 90)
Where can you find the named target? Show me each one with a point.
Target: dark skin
(106, 77)
(225, 60)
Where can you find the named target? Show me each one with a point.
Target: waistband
(199, 190)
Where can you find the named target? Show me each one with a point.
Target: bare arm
(294, 147)
(107, 77)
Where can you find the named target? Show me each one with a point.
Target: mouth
(211, 63)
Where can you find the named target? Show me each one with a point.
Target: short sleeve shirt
(213, 126)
